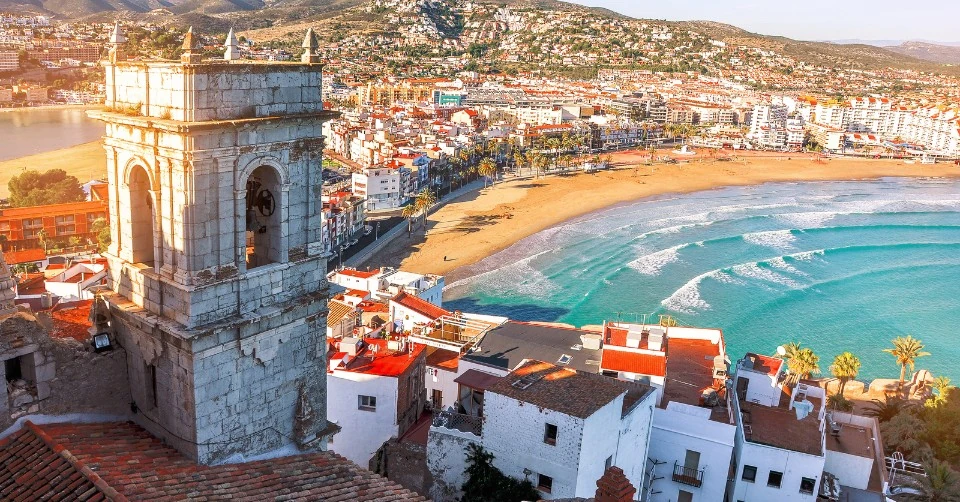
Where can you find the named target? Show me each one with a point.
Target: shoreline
(464, 234)
(48, 108)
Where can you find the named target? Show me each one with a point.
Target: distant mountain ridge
(937, 53)
(278, 18)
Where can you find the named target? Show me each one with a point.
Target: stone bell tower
(218, 290)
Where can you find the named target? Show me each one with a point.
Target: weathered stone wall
(404, 463)
(214, 90)
(200, 211)
(224, 358)
(63, 375)
(230, 389)
(446, 460)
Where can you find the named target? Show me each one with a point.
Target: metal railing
(687, 476)
(458, 421)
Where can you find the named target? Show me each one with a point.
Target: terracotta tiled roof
(34, 467)
(634, 362)
(571, 392)
(420, 306)
(765, 364)
(72, 320)
(25, 256)
(127, 459)
(361, 274)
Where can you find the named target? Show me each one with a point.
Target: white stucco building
(560, 428)
(375, 392)
(383, 187)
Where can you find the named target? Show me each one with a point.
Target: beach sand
(87, 161)
(479, 224)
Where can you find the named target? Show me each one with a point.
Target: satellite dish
(781, 350)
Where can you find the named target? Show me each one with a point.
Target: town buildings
(24, 227)
(375, 392)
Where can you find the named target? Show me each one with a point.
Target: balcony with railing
(687, 476)
(469, 424)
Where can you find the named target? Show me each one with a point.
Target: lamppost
(376, 234)
(342, 247)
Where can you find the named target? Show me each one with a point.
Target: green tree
(32, 188)
(941, 484)
(408, 212)
(486, 483)
(885, 410)
(488, 169)
(839, 403)
(423, 202)
(102, 229)
(907, 350)
(845, 367)
(904, 433)
(801, 362)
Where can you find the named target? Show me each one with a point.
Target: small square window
(749, 473)
(807, 485)
(367, 403)
(550, 434)
(544, 483)
(774, 479)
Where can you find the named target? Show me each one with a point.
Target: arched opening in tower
(263, 228)
(141, 217)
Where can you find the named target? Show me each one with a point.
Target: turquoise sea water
(833, 265)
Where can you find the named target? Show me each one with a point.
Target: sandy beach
(480, 224)
(87, 161)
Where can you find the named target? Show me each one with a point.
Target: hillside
(943, 54)
(828, 54)
(510, 26)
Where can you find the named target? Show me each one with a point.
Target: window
(150, 385)
(684, 496)
(749, 473)
(774, 479)
(550, 434)
(12, 369)
(807, 485)
(544, 483)
(367, 403)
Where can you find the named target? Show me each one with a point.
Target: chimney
(614, 486)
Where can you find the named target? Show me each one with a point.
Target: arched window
(141, 216)
(263, 224)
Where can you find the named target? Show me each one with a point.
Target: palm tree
(885, 410)
(839, 403)
(942, 386)
(804, 364)
(487, 168)
(519, 160)
(941, 484)
(408, 212)
(801, 362)
(423, 202)
(907, 350)
(845, 368)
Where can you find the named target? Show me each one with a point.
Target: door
(692, 461)
(436, 398)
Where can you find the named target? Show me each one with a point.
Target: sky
(809, 19)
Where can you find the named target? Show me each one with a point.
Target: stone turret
(191, 48)
(310, 47)
(232, 47)
(7, 293)
(116, 43)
